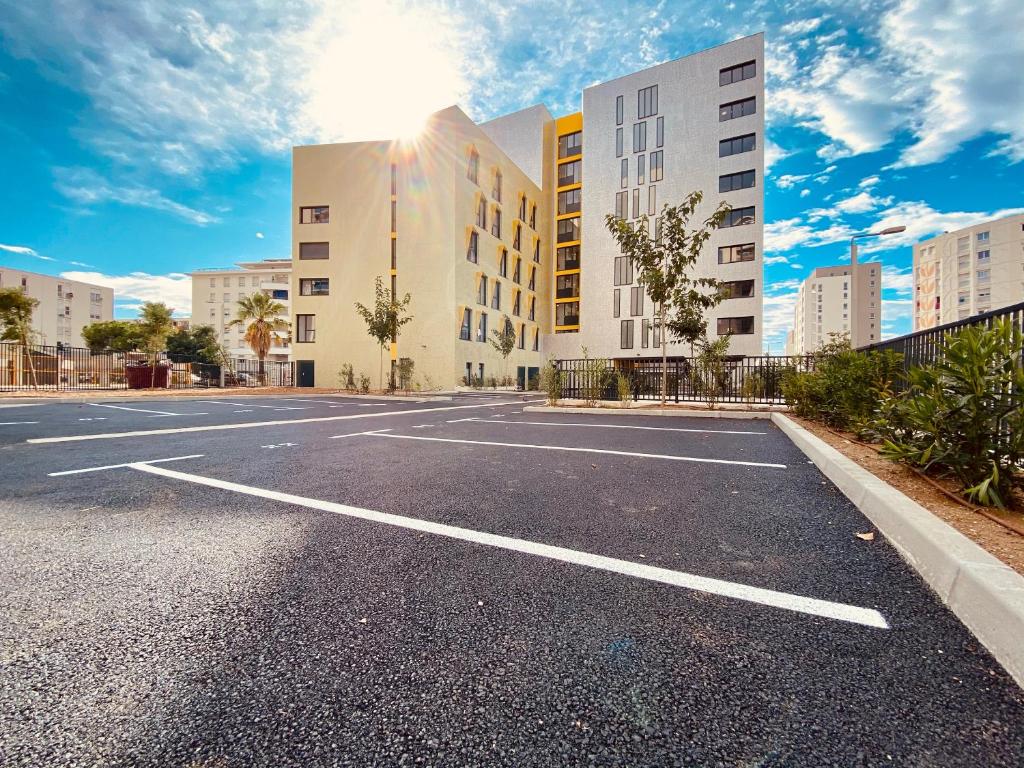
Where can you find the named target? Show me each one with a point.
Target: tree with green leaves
(663, 264)
(16, 310)
(112, 336)
(504, 341)
(385, 320)
(156, 325)
(260, 315)
(198, 344)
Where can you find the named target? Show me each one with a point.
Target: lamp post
(855, 340)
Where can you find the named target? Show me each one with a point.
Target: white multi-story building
(65, 306)
(215, 295)
(825, 307)
(969, 271)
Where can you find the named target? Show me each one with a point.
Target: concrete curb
(205, 395)
(649, 412)
(984, 593)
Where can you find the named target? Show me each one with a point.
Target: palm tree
(260, 316)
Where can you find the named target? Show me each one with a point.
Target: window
(736, 145)
(536, 339)
(522, 208)
(241, 282)
(503, 263)
(517, 237)
(516, 270)
(984, 255)
(532, 282)
(473, 166)
(735, 109)
(647, 102)
(517, 296)
(567, 313)
(652, 200)
(733, 253)
(213, 282)
(640, 169)
(570, 145)
(533, 216)
(621, 205)
(730, 182)
(314, 286)
(616, 302)
(213, 297)
(394, 216)
(567, 286)
(645, 333)
(315, 214)
(472, 251)
(626, 334)
(569, 230)
(481, 328)
(738, 216)
(496, 187)
(659, 132)
(394, 253)
(735, 325)
(394, 179)
(481, 290)
(308, 251)
(983, 237)
(657, 165)
(536, 250)
(496, 222)
(737, 289)
(636, 301)
(735, 74)
(624, 173)
(522, 336)
(569, 201)
(619, 110)
(623, 270)
(467, 323)
(567, 257)
(305, 326)
(481, 213)
(279, 294)
(639, 137)
(533, 308)
(496, 295)
(984, 274)
(618, 142)
(636, 203)
(570, 173)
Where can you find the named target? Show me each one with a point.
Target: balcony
(571, 292)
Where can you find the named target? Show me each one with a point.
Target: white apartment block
(825, 307)
(968, 272)
(215, 295)
(65, 306)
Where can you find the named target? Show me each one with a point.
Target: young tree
(16, 310)
(663, 264)
(260, 315)
(194, 344)
(385, 320)
(155, 325)
(112, 335)
(504, 341)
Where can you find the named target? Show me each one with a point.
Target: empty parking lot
(350, 581)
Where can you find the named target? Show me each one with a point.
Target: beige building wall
(435, 208)
(968, 272)
(65, 306)
(824, 306)
(215, 295)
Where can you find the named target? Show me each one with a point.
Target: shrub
(551, 381)
(964, 414)
(710, 376)
(364, 383)
(346, 377)
(622, 385)
(595, 376)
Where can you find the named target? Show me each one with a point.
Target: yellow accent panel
(394, 272)
(394, 235)
(567, 327)
(394, 198)
(567, 243)
(394, 351)
(559, 272)
(567, 299)
(575, 214)
(569, 123)
(567, 187)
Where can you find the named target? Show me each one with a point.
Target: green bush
(551, 381)
(963, 416)
(623, 388)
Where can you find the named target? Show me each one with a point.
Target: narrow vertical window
(652, 200)
(473, 166)
(619, 110)
(394, 216)
(472, 252)
(627, 334)
(536, 339)
(624, 173)
(618, 142)
(616, 302)
(640, 163)
(636, 203)
(659, 131)
(394, 179)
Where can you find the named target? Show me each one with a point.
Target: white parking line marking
(117, 466)
(667, 457)
(253, 424)
(307, 400)
(616, 426)
(280, 445)
(20, 405)
(240, 405)
(784, 600)
(289, 408)
(165, 415)
(356, 434)
(12, 423)
(243, 410)
(139, 410)
(95, 418)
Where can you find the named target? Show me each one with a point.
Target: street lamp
(855, 340)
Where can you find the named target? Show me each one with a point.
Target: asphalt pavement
(460, 583)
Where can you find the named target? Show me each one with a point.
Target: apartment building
(502, 223)
(825, 307)
(969, 271)
(215, 295)
(65, 306)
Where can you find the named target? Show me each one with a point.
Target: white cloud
(804, 192)
(773, 154)
(769, 260)
(777, 319)
(259, 235)
(801, 27)
(24, 250)
(787, 180)
(869, 182)
(898, 281)
(174, 289)
(787, 234)
(922, 221)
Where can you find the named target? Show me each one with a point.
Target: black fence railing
(736, 380)
(61, 368)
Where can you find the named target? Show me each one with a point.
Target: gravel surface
(149, 621)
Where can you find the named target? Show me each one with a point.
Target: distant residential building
(824, 307)
(65, 306)
(181, 323)
(215, 295)
(969, 271)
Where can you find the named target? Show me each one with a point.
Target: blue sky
(140, 140)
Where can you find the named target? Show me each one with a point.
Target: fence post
(221, 383)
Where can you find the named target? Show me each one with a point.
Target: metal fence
(78, 369)
(735, 380)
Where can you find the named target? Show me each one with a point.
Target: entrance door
(533, 378)
(521, 377)
(304, 370)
